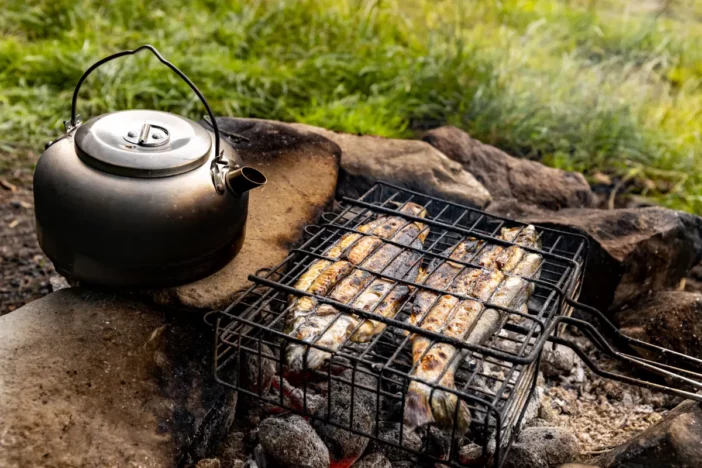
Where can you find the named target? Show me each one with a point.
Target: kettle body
(141, 198)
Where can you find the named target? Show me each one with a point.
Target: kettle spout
(244, 179)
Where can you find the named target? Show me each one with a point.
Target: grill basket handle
(685, 376)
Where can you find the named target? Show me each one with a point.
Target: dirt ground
(25, 273)
(602, 413)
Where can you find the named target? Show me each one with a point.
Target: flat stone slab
(413, 164)
(302, 169)
(92, 379)
(675, 442)
(509, 177)
(633, 250)
(671, 319)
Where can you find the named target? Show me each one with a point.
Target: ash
(601, 413)
(573, 416)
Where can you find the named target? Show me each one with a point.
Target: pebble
(7, 185)
(17, 204)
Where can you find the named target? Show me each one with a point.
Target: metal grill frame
(255, 317)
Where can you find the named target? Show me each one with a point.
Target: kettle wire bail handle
(213, 123)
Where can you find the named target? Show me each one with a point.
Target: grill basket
(495, 379)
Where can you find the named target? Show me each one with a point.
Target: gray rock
(671, 319)
(675, 442)
(557, 361)
(95, 379)
(292, 443)
(302, 170)
(542, 447)
(345, 446)
(507, 177)
(633, 251)
(374, 460)
(413, 164)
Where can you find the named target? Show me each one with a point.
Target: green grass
(611, 86)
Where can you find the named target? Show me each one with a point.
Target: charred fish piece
(440, 274)
(386, 226)
(430, 312)
(324, 324)
(356, 247)
(469, 321)
(320, 285)
(331, 328)
(384, 297)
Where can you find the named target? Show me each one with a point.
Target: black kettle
(141, 198)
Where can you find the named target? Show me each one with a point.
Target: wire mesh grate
(492, 377)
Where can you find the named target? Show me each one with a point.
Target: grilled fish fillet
(327, 326)
(466, 320)
(383, 297)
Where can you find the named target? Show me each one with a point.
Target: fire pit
(494, 377)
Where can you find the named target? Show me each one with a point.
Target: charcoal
(539, 447)
(390, 432)
(404, 464)
(258, 377)
(234, 449)
(250, 463)
(437, 442)
(290, 443)
(345, 445)
(471, 455)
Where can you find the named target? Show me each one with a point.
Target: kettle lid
(143, 143)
